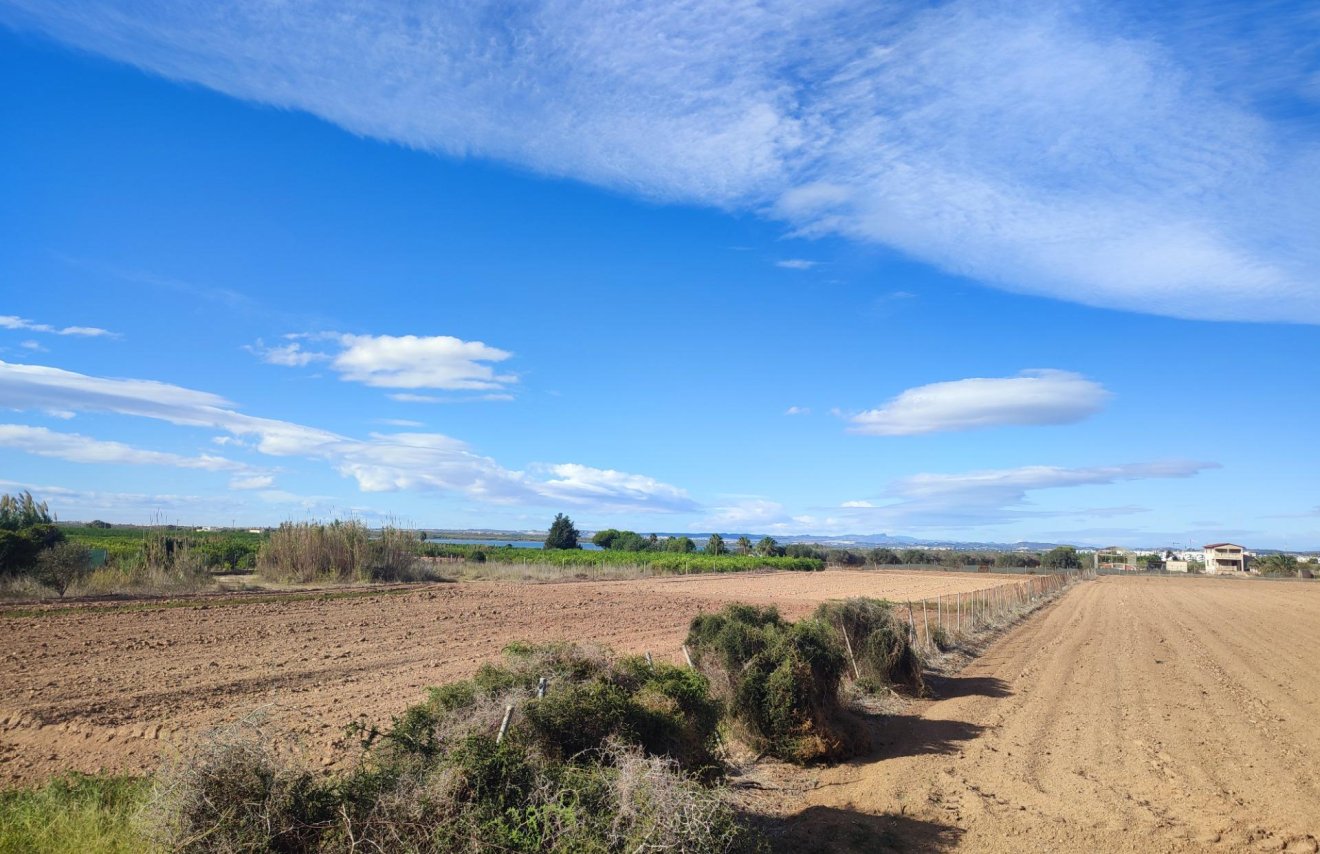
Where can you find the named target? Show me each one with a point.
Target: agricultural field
(113, 685)
(1135, 714)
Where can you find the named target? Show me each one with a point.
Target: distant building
(1222, 558)
(1116, 557)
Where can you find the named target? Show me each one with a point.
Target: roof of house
(1221, 545)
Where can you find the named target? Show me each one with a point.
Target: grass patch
(74, 813)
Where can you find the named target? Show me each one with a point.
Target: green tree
(884, 557)
(605, 539)
(63, 564)
(683, 545)
(744, 546)
(562, 535)
(1281, 565)
(715, 545)
(768, 547)
(1061, 557)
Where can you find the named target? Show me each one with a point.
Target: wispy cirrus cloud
(396, 361)
(381, 462)
(10, 321)
(78, 448)
(1109, 156)
(796, 264)
(1035, 397)
(997, 496)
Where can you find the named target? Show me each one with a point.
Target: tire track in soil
(1135, 714)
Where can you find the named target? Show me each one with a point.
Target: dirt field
(1136, 714)
(112, 688)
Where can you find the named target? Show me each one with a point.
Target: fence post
(959, 623)
(848, 645)
(687, 655)
(504, 725)
(925, 622)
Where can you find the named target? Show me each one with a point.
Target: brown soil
(108, 687)
(1136, 714)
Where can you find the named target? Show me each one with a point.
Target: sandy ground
(1136, 714)
(110, 688)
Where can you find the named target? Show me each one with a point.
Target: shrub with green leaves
(617, 756)
(880, 642)
(781, 680)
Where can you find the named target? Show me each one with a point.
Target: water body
(495, 544)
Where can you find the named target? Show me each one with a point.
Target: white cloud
(82, 449)
(612, 490)
(9, 321)
(409, 397)
(748, 514)
(796, 264)
(379, 463)
(399, 361)
(798, 410)
(1104, 156)
(996, 496)
(411, 361)
(290, 355)
(253, 481)
(856, 504)
(399, 422)
(34, 346)
(1032, 397)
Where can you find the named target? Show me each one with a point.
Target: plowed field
(88, 688)
(1135, 715)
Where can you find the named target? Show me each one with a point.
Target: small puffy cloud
(856, 504)
(798, 410)
(9, 321)
(399, 361)
(398, 422)
(1036, 397)
(34, 346)
(411, 361)
(796, 264)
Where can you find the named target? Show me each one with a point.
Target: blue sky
(1026, 272)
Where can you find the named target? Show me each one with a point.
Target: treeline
(656, 561)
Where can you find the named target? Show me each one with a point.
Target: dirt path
(111, 688)
(1136, 714)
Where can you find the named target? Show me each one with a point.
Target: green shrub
(597, 765)
(880, 642)
(781, 680)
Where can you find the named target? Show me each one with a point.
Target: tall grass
(341, 551)
(74, 813)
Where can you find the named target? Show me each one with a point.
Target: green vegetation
(781, 680)
(73, 813)
(611, 758)
(340, 551)
(654, 561)
(1284, 566)
(1061, 557)
(562, 535)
